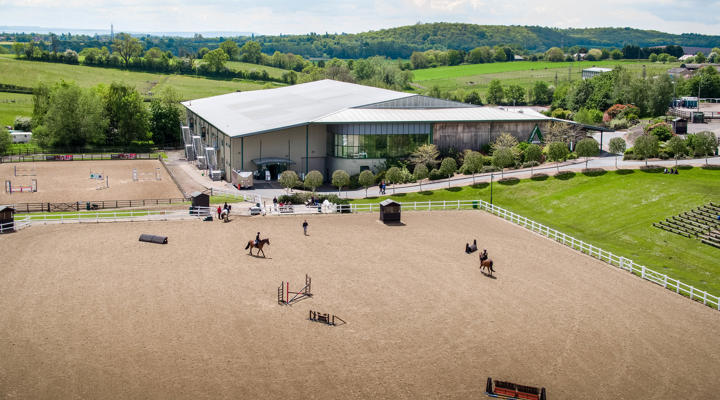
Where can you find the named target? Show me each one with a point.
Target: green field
(614, 211)
(30, 73)
(272, 71)
(523, 73)
(12, 105)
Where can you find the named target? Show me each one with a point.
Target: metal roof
(474, 114)
(259, 111)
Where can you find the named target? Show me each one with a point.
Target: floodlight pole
(491, 182)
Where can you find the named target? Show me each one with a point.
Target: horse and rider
(257, 243)
(486, 263)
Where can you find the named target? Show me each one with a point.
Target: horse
(224, 215)
(487, 263)
(259, 246)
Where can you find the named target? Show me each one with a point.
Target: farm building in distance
(588, 73)
(328, 125)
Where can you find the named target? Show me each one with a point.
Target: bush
(295, 198)
(530, 164)
(629, 154)
(435, 175)
(588, 116)
(489, 168)
(572, 156)
(561, 114)
(661, 130)
(663, 155)
(617, 124)
(380, 176)
(22, 124)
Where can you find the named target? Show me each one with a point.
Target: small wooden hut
(7, 219)
(389, 211)
(200, 199)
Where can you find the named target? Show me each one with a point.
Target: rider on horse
(257, 239)
(483, 255)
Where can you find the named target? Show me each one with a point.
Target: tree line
(68, 116)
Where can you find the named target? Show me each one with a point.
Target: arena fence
(117, 216)
(574, 243)
(16, 225)
(78, 157)
(94, 205)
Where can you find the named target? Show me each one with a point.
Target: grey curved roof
(259, 111)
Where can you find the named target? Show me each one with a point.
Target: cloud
(285, 16)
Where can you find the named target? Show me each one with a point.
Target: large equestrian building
(328, 125)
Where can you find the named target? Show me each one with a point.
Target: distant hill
(402, 41)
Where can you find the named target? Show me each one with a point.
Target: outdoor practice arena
(88, 311)
(69, 181)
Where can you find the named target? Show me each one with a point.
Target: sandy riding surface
(87, 311)
(69, 181)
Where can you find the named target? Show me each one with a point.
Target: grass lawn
(272, 71)
(614, 211)
(30, 73)
(13, 105)
(523, 73)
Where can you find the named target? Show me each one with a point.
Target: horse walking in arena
(251, 244)
(486, 263)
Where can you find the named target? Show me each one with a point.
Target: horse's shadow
(488, 275)
(259, 256)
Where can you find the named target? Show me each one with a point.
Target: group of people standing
(225, 208)
(672, 171)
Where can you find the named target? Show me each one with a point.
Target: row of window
(375, 146)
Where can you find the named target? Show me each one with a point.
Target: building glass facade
(376, 140)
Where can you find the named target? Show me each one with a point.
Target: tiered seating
(702, 223)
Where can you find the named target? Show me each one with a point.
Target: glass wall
(377, 141)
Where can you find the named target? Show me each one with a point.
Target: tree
(216, 59)
(705, 144)
(505, 140)
(41, 103)
(515, 94)
(126, 47)
(251, 52)
(473, 163)
(366, 179)
(646, 146)
(617, 146)
(558, 151)
(473, 97)
(661, 93)
(676, 144)
(587, 148)
(503, 158)
(313, 180)
(616, 54)
(165, 114)
(495, 92)
(418, 60)
(426, 154)
(541, 93)
(288, 179)
(340, 178)
(230, 48)
(420, 172)
(127, 115)
(554, 54)
(448, 167)
(700, 57)
(5, 140)
(18, 49)
(74, 117)
(201, 53)
(533, 153)
(393, 175)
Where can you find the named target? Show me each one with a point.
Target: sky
(336, 16)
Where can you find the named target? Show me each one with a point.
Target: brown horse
(259, 246)
(488, 263)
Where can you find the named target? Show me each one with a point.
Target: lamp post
(491, 182)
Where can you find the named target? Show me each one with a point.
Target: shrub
(561, 114)
(663, 155)
(435, 175)
(617, 124)
(489, 168)
(572, 156)
(661, 130)
(295, 198)
(22, 124)
(529, 164)
(588, 116)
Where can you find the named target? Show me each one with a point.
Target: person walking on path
(305, 225)
(219, 211)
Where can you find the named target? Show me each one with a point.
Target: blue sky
(286, 16)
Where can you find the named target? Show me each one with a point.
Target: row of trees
(373, 71)
(66, 115)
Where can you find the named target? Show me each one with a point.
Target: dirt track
(87, 311)
(69, 181)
